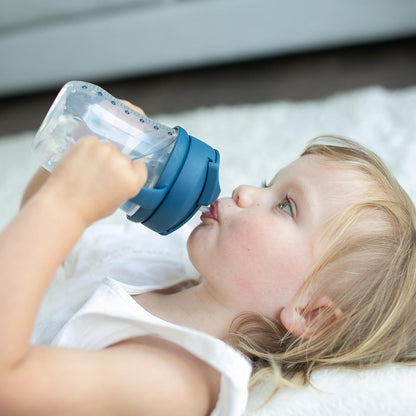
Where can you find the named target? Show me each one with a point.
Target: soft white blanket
(255, 141)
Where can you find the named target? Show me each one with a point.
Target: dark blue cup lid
(189, 180)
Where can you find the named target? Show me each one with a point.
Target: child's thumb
(140, 171)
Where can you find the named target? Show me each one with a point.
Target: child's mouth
(211, 212)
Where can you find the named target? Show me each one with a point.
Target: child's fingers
(134, 107)
(141, 172)
(96, 178)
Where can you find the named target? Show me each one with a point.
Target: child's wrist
(63, 204)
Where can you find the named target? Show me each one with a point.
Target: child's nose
(244, 195)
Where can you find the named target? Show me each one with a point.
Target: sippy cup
(182, 170)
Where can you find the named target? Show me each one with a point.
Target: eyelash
(289, 203)
(284, 201)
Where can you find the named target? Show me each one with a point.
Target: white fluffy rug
(254, 141)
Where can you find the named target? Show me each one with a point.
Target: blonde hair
(366, 264)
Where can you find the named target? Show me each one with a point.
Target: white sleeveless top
(110, 314)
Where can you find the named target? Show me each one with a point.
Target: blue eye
(286, 206)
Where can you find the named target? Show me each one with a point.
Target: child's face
(256, 249)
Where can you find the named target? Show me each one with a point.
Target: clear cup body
(83, 109)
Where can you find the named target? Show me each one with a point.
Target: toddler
(315, 269)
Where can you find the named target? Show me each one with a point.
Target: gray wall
(45, 43)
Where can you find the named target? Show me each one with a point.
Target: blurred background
(172, 55)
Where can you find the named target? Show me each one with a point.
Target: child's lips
(212, 213)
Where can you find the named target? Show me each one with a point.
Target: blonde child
(315, 269)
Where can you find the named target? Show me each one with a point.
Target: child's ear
(300, 321)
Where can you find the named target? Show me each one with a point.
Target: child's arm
(149, 377)
(38, 179)
(93, 180)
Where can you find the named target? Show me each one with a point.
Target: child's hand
(93, 179)
(134, 107)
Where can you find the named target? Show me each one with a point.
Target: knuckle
(88, 140)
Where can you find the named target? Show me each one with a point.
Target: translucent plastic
(82, 109)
